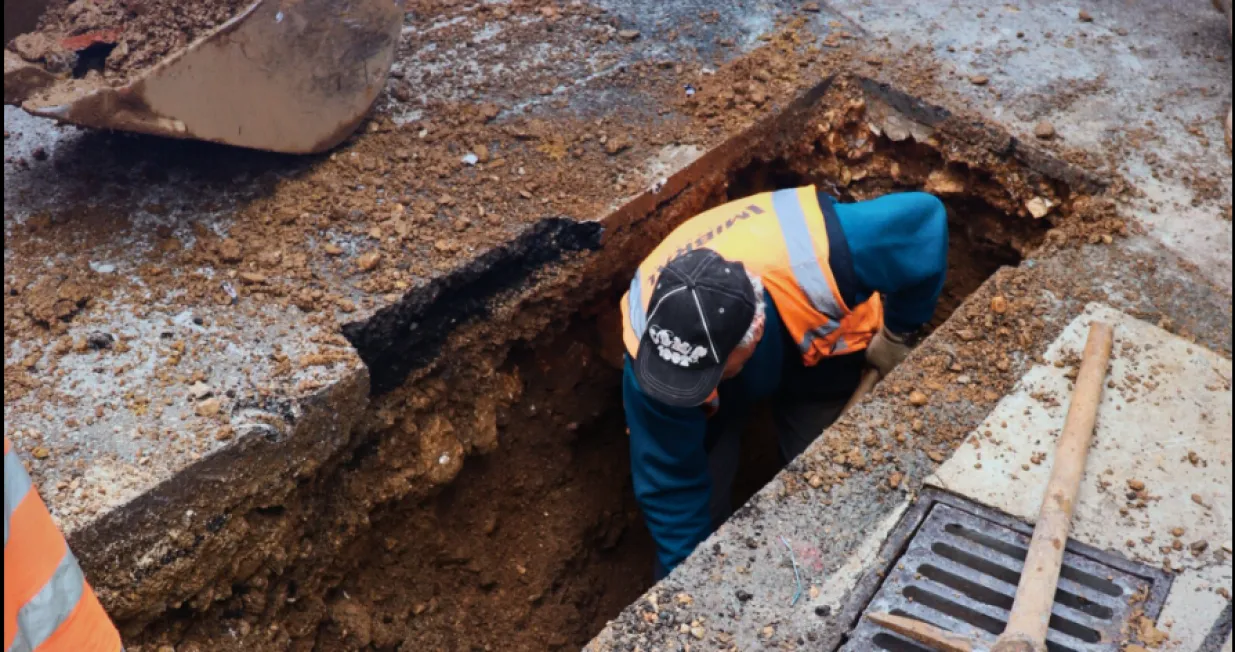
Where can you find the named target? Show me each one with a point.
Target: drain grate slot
(960, 572)
(1019, 552)
(894, 644)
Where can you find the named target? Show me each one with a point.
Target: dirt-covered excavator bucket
(294, 76)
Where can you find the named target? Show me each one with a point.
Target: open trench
(486, 502)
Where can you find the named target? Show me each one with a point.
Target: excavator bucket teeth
(293, 76)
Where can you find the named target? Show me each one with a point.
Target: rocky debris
(616, 145)
(99, 340)
(1084, 16)
(979, 80)
(230, 251)
(918, 398)
(1044, 130)
(1136, 485)
(140, 38)
(369, 261)
(629, 35)
(209, 408)
(945, 182)
(200, 391)
(1039, 207)
(1149, 634)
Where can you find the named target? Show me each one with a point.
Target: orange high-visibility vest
(48, 606)
(780, 237)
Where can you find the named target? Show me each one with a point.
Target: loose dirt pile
(138, 32)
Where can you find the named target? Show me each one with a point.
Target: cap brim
(671, 384)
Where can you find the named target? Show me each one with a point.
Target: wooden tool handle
(870, 378)
(1031, 613)
(924, 633)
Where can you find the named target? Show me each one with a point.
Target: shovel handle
(924, 633)
(870, 378)
(1031, 612)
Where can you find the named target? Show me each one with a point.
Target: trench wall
(269, 565)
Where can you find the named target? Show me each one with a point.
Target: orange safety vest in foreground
(48, 606)
(781, 238)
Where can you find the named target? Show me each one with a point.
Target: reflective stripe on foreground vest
(48, 607)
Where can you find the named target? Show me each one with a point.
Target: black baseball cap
(699, 312)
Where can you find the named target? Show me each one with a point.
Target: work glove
(886, 350)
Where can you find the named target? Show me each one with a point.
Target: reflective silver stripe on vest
(634, 303)
(16, 486)
(51, 606)
(815, 334)
(807, 270)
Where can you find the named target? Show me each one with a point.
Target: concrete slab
(1168, 400)
(1193, 611)
(1158, 483)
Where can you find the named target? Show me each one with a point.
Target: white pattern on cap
(673, 349)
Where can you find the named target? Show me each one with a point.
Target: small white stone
(200, 390)
(470, 159)
(444, 459)
(1039, 207)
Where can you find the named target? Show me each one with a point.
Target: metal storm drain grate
(960, 570)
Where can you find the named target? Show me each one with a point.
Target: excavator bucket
(293, 76)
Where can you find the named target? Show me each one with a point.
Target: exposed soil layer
(533, 547)
(116, 40)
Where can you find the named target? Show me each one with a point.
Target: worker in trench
(48, 605)
(787, 296)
